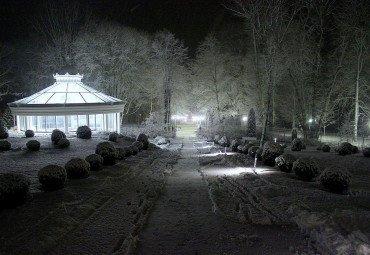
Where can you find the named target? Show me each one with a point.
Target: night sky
(189, 20)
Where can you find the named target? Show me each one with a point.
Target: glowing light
(275, 139)
(178, 117)
(245, 118)
(198, 118)
(310, 120)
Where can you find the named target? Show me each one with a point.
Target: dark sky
(190, 20)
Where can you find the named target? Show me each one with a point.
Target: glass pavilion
(66, 105)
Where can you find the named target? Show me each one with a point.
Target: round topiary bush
(306, 169)
(366, 152)
(138, 144)
(234, 145)
(3, 132)
(56, 135)
(134, 149)
(33, 145)
(5, 145)
(77, 168)
(252, 151)
(128, 151)
(297, 144)
(271, 151)
(113, 137)
(355, 149)
(95, 161)
(83, 132)
(14, 189)
(285, 162)
(335, 178)
(29, 133)
(258, 154)
(52, 177)
(345, 149)
(107, 151)
(144, 139)
(63, 143)
(224, 142)
(325, 148)
(121, 153)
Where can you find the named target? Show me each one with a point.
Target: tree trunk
(359, 68)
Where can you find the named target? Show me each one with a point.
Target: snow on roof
(67, 89)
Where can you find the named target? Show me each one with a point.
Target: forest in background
(299, 64)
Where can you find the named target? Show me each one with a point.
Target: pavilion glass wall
(97, 122)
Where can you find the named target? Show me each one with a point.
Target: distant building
(66, 105)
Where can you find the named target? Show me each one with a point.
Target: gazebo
(66, 105)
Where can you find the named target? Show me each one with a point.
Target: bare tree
(5, 69)
(169, 53)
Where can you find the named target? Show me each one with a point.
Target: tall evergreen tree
(251, 125)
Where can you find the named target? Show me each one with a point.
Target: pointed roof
(67, 89)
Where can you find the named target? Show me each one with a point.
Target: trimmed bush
(144, 139)
(121, 153)
(271, 151)
(63, 143)
(335, 178)
(77, 168)
(297, 145)
(33, 145)
(29, 133)
(138, 144)
(283, 145)
(224, 142)
(252, 151)
(366, 152)
(56, 135)
(294, 134)
(325, 148)
(285, 162)
(216, 139)
(345, 149)
(5, 145)
(134, 149)
(83, 132)
(355, 149)
(52, 177)
(113, 137)
(3, 132)
(13, 189)
(306, 169)
(95, 161)
(128, 151)
(259, 152)
(234, 145)
(107, 151)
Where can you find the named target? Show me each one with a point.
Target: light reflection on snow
(231, 171)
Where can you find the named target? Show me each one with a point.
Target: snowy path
(182, 221)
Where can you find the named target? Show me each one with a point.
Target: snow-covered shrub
(33, 145)
(13, 189)
(234, 144)
(252, 151)
(134, 149)
(160, 140)
(128, 151)
(107, 151)
(283, 145)
(345, 149)
(121, 153)
(335, 178)
(144, 139)
(63, 143)
(95, 161)
(224, 142)
(83, 132)
(251, 124)
(240, 149)
(29, 133)
(216, 139)
(3, 132)
(259, 152)
(285, 162)
(366, 152)
(271, 151)
(325, 148)
(139, 145)
(297, 144)
(306, 169)
(52, 177)
(113, 137)
(294, 134)
(56, 135)
(77, 168)
(355, 149)
(5, 145)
